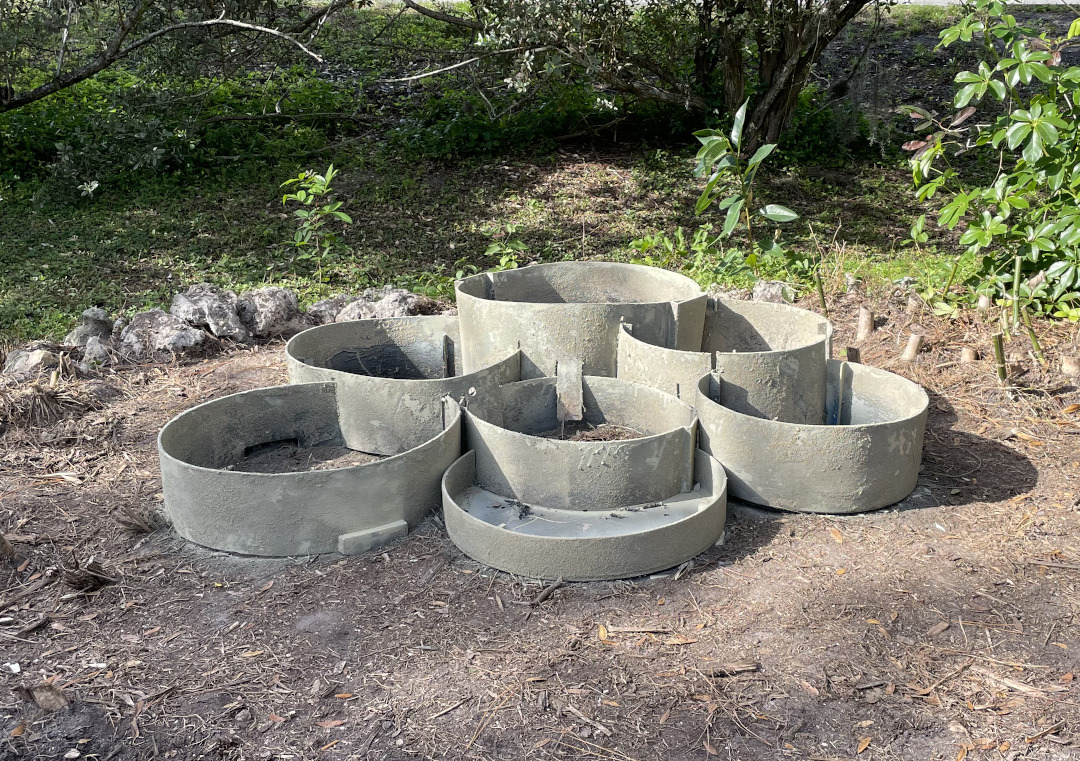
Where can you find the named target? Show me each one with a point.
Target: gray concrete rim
(348, 509)
(582, 557)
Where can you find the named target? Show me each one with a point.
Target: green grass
(427, 196)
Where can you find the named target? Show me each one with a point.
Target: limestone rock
(1071, 365)
(156, 331)
(357, 310)
(271, 311)
(716, 291)
(207, 305)
(95, 323)
(95, 353)
(774, 291)
(23, 364)
(327, 310)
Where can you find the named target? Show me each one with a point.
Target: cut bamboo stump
(851, 353)
(866, 324)
(968, 355)
(914, 346)
(984, 303)
(1071, 365)
(914, 305)
(999, 358)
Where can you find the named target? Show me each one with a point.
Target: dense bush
(1024, 222)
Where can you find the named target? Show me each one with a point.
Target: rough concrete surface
(572, 311)
(547, 543)
(296, 513)
(511, 460)
(773, 356)
(867, 457)
(392, 375)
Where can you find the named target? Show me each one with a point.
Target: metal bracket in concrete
(772, 355)
(573, 310)
(866, 457)
(584, 475)
(574, 545)
(295, 513)
(392, 375)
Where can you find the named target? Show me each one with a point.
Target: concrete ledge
(392, 375)
(572, 311)
(294, 513)
(548, 543)
(866, 457)
(512, 461)
(773, 356)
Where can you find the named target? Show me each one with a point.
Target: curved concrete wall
(773, 356)
(867, 457)
(571, 311)
(575, 546)
(584, 475)
(298, 513)
(392, 375)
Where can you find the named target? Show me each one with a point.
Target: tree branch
(114, 53)
(459, 64)
(444, 17)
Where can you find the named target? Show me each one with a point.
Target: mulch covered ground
(943, 628)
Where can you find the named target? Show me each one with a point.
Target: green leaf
(737, 126)
(778, 213)
(1033, 150)
(731, 219)
(761, 154)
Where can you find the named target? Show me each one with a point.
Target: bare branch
(114, 52)
(445, 17)
(459, 64)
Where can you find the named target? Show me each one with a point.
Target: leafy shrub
(1024, 223)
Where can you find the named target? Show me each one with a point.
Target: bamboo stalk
(999, 358)
(866, 324)
(1034, 338)
(914, 345)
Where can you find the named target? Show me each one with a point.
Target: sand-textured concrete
(867, 456)
(571, 311)
(392, 375)
(294, 513)
(584, 475)
(547, 543)
(773, 356)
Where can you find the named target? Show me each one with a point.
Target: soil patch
(290, 457)
(580, 430)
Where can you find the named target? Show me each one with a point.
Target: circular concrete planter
(571, 311)
(867, 455)
(346, 510)
(549, 543)
(392, 375)
(513, 461)
(772, 355)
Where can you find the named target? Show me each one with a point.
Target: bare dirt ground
(943, 628)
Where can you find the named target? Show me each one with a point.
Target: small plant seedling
(313, 240)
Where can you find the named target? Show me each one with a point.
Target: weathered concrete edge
(283, 514)
(829, 469)
(581, 558)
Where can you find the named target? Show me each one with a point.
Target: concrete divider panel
(392, 375)
(773, 356)
(547, 543)
(513, 461)
(293, 513)
(572, 311)
(867, 457)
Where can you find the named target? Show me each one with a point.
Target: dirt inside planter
(289, 457)
(580, 430)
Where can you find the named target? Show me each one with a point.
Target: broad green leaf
(761, 154)
(737, 126)
(778, 213)
(732, 218)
